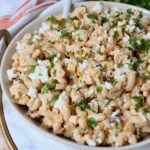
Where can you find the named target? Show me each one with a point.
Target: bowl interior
(6, 64)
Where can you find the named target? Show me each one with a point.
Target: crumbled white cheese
(97, 8)
(141, 115)
(91, 143)
(119, 73)
(62, 98)
(11, 74)
(114, 114)
(41, 73)
(138, 30)
(147, 36)
(35, 38)
(108, 85)
(67, 61)
(44, 28)
(110, 39)
(76, 86)
(126, 39)
(139, 42)
(84, 64)
(130, 28)
(32, 92)
(131, 22)
(90, 92)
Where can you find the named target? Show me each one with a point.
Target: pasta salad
(87, 77)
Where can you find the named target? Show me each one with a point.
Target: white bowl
(5, 83)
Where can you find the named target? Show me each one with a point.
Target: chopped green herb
(49, 86)
(116, 35)
(112, 81)
(119, 65)
(45, 88)
(53, 99)
(134, 65)
(77, 27)
(71, 18)
(104, 68)
(114, 24)
(32, 69)
(51, 42)
(51, 59)
(116, 124)
(145, 111)
(84, 104)
(99, 89)
(64, 33)
(129, 11)
(137, 23)
(92, 16)
(53, 20)
(54, 72)
(145, 76)
(133, 43)
(91, 122)
(109, 100)
(145, 46)
(101, 79)
(13, 97)
(79, 39)
(139, 102)
(104, 20)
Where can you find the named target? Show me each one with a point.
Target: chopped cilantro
(114, 24)
(84, 104)
(137, 23)
(139, 101)
(13, 97)
(53, 99)
(119, 65)
(145, 111)
(134, 65)
(109, 100)
(104, 68)
(64, 33)
(133, 43)
(116, 124)
(51, 59)
(99, 89)
(91, 122)
(51, 42)
(104, 20)
(49, 86)
(53, 20)
(145, 46)
(71, 18)
(116, 35)
(79, 39)
(32, 69)
(92, 16)
(77, 27)
(145, 76)
(54, 72)
(129, 11)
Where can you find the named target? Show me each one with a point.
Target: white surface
(25, 137)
